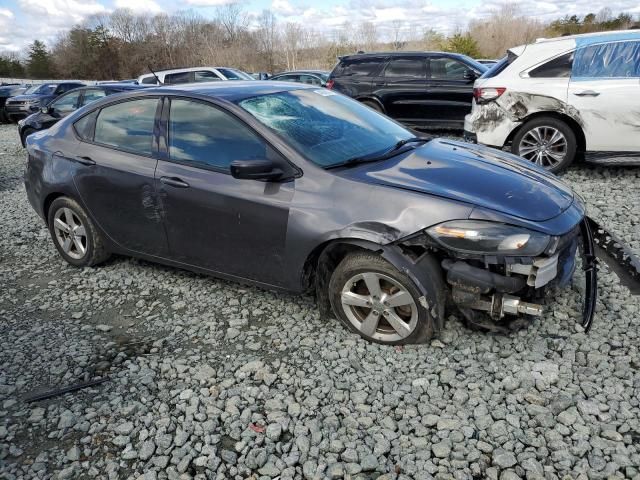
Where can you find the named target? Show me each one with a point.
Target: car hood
(477, 175)
(23, 98)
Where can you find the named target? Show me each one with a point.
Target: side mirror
(259, 169)
(469, 75)
(46, 110)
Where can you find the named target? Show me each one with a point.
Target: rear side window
(609, 60)
(559, 67)
(361, 67)
(182, 77)
(205, 76)
(204, 135)
(414, 68)
(128, 125)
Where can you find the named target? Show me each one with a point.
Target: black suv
(422, 89)
(21, 106)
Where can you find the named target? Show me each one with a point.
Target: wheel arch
(49, 199)
(323, 260)
(369, 98)
(571, 122)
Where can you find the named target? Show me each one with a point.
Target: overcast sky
(22, 21)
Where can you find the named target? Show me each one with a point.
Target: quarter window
(559, 67)
(406, 67)
(128, 125)
(361, 68)
(609, 60)
(149, 80)
(205, 135)
(84, 126)
(447, 69)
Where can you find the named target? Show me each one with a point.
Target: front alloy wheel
(379, 307)
(373, 298)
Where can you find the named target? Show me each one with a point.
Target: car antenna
(154, 74)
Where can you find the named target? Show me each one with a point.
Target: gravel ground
(211, 379)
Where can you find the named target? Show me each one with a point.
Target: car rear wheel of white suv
(547, 142)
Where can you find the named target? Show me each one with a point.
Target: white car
(559, 98)
(193, 74)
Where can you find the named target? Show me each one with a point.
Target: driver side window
(67, 103)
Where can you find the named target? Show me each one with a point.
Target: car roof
(186, 69)
(317, 72)
(231, 91)
(595, 36)
(398, 54)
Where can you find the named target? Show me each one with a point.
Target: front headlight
(482, 237)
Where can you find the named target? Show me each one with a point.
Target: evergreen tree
(39, 63)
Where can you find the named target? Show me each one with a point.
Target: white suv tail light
(487, 94)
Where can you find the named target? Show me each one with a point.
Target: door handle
(587, 93)
(174, 182)
(85, 161)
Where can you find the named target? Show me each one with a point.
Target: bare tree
(366, 36)
(397, 35)
(293, 37)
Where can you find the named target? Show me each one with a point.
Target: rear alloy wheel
(547, 142)
(372, 298)
(74, 235)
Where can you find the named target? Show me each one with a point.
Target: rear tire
(394, 314)
(546, 141)
(74, 234)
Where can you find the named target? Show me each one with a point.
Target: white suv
(194, 74)
(558, 98)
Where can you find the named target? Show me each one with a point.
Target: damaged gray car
(302, 189)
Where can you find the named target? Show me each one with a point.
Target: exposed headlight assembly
(482, 237)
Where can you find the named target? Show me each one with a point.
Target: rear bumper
(489, 124)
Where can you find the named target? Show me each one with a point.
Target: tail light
(484, 95)
(329, 84)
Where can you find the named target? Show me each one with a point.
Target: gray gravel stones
(211, 379)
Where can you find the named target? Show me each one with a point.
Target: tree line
(123, 45)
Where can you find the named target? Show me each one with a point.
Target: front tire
(74, 234)
(378, 302)
(373, 105)
(546, 141)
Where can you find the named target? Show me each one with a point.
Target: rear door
(450, 90)
(405, 95)
(115, 174)
(605, 90)
(214, 221)
(360, 77)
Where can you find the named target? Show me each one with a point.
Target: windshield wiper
(383, 156)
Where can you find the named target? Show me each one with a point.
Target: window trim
(164, 137)
(154, 134)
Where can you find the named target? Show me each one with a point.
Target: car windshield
(326, 127)
(44, 89)
(232, 74)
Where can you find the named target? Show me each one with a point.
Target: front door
(115, 177)
(605, 90)
(450, 90)
(214, 221)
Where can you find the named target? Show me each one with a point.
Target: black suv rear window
(360, 67)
